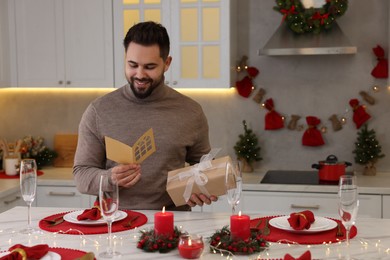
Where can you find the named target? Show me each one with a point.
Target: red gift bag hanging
(273, 120)
(312, 136)
(381, 70)
(360, 116)
(244, 87)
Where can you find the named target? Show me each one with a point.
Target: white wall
(303, 85)
(308, 85)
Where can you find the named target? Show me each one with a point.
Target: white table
(372, 241)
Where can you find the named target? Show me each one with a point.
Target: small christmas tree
(247, 149)
(367, 150)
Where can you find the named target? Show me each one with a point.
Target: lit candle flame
(239, 213)
(189, 242)
(163, 210)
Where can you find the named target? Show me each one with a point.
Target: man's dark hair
(147, 34)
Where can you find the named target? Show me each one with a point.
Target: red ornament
(273, 120)
(312, 136)
(360, 116)
(381, 70)
(244, 87)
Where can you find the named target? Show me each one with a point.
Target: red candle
(190, 247)
(240, 226)
(163, 223)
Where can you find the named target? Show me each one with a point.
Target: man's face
(144, 68)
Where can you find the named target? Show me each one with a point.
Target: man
(179, 125)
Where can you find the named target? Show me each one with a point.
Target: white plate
(319, 225)
(49, 256)
(72, 218)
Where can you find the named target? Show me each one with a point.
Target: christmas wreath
(221, 241)
(312, 20)
(149, 242)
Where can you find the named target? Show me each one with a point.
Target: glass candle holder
(190, 246)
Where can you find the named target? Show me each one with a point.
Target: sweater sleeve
(90, 156)
(202, 144)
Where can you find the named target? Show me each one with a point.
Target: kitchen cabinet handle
(296, 206)
(174, 82)
(68, 82)
(68, 194)
(60, 82)
(166, 82)
(6, 202)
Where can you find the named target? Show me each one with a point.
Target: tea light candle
(240, 226)
(163, 223)
(190, 247)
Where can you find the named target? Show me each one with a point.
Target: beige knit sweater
(181, 135)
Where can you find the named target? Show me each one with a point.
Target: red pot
(331, 169)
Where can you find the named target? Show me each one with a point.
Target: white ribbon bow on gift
(196, 175)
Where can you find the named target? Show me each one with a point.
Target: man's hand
(200, 199)
(126, 175)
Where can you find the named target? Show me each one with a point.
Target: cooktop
(295, 177)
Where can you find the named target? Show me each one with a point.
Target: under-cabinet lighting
(107, 90)
(205, 90)
(47, 90)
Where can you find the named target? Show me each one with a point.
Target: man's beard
(144, 93)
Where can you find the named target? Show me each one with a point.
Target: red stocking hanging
(312, 136)
(273, 120)
(360, 116)
(381, 69)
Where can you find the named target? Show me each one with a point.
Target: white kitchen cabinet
(64, 43)
(11, 200)
(202, 38)
(323, 204)
(62, 196)
(5, 59)
(386, 206)
(221, 205)
(282, 203)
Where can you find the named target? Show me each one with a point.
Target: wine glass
(109, 202)
(233, 183)
(28, 188)
(349, 202)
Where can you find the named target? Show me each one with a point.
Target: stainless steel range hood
(285, 42)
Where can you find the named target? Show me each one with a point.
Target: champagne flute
(28, 187)
(233, 183)
(348, 203)
(109, 202)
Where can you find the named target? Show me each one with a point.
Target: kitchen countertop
(51, 176)
(379, 184)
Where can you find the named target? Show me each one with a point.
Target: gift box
(207, 177)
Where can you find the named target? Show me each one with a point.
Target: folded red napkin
(19, 252)
(301, 220)
(304, 256)
(91, 214)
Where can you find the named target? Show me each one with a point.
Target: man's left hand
(201, 199)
